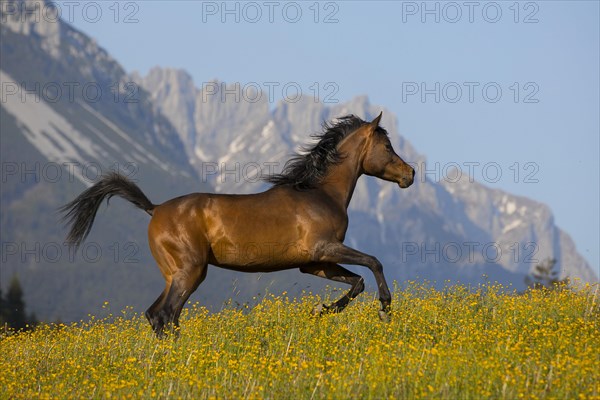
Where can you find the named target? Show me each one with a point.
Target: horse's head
(380, 159)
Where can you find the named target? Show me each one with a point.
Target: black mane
(304, 171)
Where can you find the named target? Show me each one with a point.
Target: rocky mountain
(448, 228)
(69, 112)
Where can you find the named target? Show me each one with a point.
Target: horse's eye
(389, 147)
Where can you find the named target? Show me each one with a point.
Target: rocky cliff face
(70, 113)
(453, 223)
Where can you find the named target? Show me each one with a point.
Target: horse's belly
(259, 256)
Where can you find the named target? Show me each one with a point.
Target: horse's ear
(375, 123)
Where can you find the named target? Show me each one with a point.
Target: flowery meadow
(453, 343)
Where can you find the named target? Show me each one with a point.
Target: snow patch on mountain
(141, 150)
(512, 225)
(50, 132)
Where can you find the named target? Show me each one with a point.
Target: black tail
(80, 213)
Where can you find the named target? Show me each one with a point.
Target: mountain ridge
(510, 219)
(173, 141)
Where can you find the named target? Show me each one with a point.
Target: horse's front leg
(336, 273)
(339, 253)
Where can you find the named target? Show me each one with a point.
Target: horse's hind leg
(153, 309)
(184, 283)
(336, 273)
(178, 242)
(184, 268)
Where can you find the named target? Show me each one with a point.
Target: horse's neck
(340, 181)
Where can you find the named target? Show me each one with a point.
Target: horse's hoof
(384, 316)
(318, 310)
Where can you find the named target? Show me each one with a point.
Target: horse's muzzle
(407, 180)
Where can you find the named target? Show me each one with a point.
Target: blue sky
(517, 84)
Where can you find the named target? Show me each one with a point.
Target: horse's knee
(375, 266)
(357, 288)
(360, 285)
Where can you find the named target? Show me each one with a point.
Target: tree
(12, 310)
(545, 276)
(2, 310)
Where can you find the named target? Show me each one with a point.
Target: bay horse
(300, 222)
